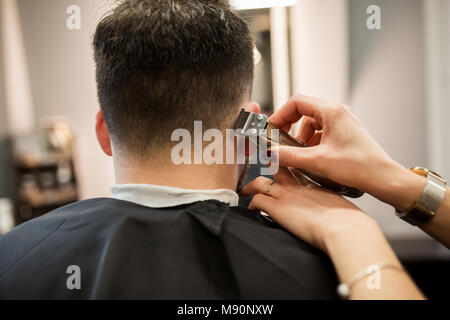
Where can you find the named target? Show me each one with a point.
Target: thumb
(295, 157)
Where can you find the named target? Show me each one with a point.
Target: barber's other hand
(310, 213)
(343, 150)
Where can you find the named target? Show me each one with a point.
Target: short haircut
(162, 64)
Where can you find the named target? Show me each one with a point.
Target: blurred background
(396, 78)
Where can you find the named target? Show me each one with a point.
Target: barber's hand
(342, 149)
(309, 212)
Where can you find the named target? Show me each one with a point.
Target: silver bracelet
(344, 289)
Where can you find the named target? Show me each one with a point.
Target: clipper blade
(251, 124)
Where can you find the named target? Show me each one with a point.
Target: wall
(62, 75)
(437, 31)
(3, 116)
(445, 14)
(4, 170)
(320, 52)
(387, 90)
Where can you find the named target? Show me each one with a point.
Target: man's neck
(196, 177)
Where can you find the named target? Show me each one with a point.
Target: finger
(284, 177)
(316, 139)
(294, 157)
(308, 129)
(264, 203)
(287, 127)
(297, 107)
(289, 217)
(261, 186)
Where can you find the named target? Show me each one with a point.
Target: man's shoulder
(120, 242)
(99, 217)
(30, 235)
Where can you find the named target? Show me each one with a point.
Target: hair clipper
(258, 125)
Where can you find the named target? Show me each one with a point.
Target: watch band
(430, 200)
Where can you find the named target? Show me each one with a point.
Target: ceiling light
(258, 4)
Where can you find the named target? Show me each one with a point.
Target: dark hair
(161, 64)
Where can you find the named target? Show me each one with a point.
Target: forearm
(352, 252)
(394, 184)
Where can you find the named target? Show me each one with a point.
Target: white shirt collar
(163, 197)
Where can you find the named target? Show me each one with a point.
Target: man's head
(162, 64)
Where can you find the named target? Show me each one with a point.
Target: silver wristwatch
(430, 200)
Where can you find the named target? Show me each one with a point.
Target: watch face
(420, 171)
(424, 172)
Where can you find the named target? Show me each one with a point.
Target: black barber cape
(204, 250)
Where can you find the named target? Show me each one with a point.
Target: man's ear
(252, 107)
(103, 134)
